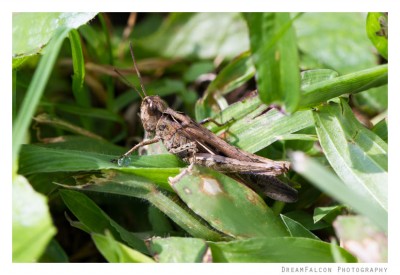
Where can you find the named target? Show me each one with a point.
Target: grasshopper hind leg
(270, 186)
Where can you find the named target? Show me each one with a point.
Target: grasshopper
(195, 144)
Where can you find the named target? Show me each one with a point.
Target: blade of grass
(78, 62)
(381, 129)
(86, 112)
(178, 250)
(275, 250)
(358, 156)
(97, 221)
(333, 186)
(306, 220)
(35, 90)
(296, 229)
(252, 127)
(235, 74)
(65, 125)
(116, 252)
(311, 77)
(328, 213)
(259, 128)
(350, 83)
(274, 53)
(110, 61)
(160, 223)
(14, 94)
(45, 159)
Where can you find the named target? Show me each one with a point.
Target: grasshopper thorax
(151, 111)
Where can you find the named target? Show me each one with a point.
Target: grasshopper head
(151, 110)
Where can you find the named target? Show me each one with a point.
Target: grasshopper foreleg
(124, 159)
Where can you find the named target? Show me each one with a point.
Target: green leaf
(311, 77)
(275, 250)
(351, 83)
(82, 97)
(96, 43)
(159, 221)
(250, 126)
(195, 35)
(58, 123)
(336, 252)
(78, 63)
(59, 157)
(130, 185)
(235, 112)
(78, 143)
(259, 129)
(97, 221)
(296, 229)
(362, 238)
(231, 207)
(47, 159)
(372, 101)
(377, 30)
(328, 213)
(14, 94)
(232, 76)
(54, 253)
(86, 112)
(117, 252)
(32, 227)
(40, 27)
(381, 129)
(35, 90)
(333, 186)
(357, 155)
(326, 40)
(178, 250)
(306, 220)
(38, 159)
(274, 53)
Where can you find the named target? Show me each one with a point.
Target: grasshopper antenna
(136, 68)
(127, 82)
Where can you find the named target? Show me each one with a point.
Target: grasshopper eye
(149, 106)
(156, 104)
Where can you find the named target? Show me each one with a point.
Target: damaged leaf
(226, 204)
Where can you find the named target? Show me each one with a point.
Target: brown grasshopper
(195, 144)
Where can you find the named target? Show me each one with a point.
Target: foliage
(74, 115)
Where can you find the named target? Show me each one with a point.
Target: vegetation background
(326, 71)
